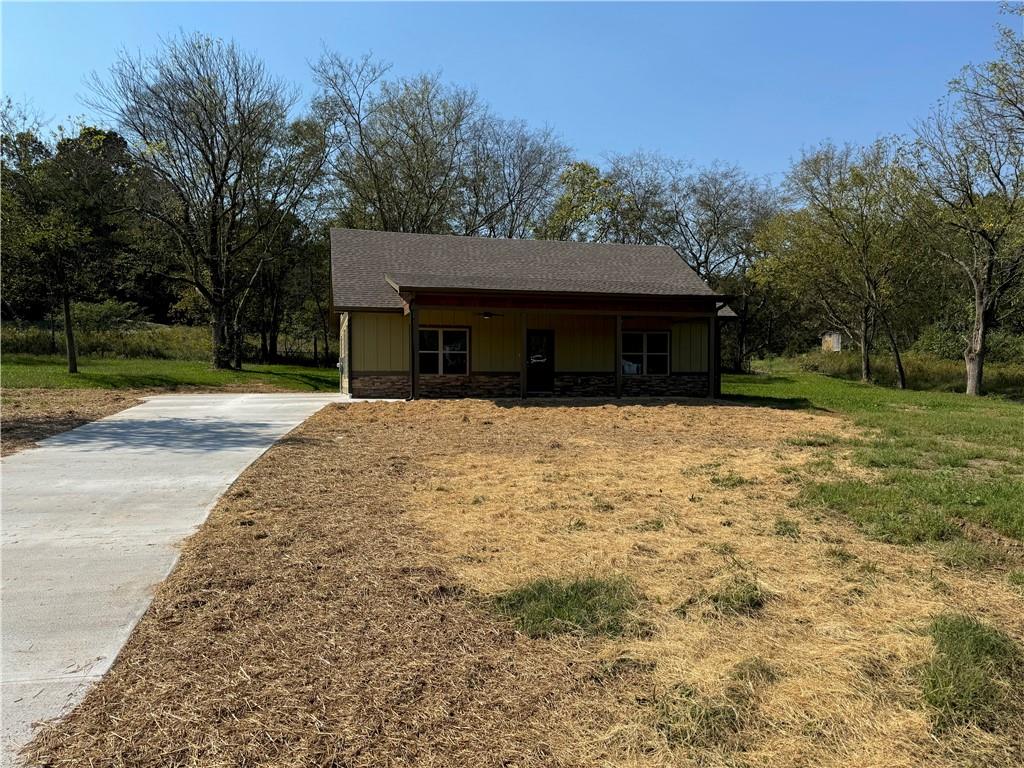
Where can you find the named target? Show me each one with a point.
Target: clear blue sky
(745, 83)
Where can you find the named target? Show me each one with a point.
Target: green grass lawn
(50, 372)
(941, 458)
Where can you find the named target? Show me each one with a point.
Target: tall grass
(923, 371)
(146, 340)
(139, 340)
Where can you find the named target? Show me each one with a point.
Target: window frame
(440, 329)
(644, 353)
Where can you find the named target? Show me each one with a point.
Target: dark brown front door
(540, 362)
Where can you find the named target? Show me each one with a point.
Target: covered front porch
(491, 345)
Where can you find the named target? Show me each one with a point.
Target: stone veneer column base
(673, 385)
(390, 385)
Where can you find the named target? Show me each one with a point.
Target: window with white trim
(645, 353)
(444, 351)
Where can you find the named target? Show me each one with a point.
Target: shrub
(972, 674)
(590, 606)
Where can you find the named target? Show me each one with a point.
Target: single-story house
(449, 316)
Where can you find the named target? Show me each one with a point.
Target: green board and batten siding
(380, 342)
(690, 347)
(583, 343)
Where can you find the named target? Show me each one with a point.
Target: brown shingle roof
(360, 259)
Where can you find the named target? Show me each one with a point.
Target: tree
(222, 159)
(970, 157)
(397, 147)
(510, 178)
(582, 210)
(853, 217)
(60, 202)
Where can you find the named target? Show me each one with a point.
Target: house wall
(584, 354)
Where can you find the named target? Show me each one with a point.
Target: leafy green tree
(61, 203)
(852, 244)
(970, 159)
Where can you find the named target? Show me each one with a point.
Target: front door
(540, 362)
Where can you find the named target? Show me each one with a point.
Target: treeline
(209, 191)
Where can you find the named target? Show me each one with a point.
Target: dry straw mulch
(28, 415)
(306, 624)
(332, 611)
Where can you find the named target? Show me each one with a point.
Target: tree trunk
(264, 350)
(69, 333)
(221, 337)
(974, 354)
(901, 376)
(272, 346)
(865, 346)
(327, 346)
(237, 345)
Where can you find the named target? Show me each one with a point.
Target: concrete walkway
(91, 522)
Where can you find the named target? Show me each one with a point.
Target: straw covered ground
(31, 414)
(339, 606)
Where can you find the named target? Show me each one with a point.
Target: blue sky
(749, 84)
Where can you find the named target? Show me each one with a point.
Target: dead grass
(839, 617)
(335, 608)
(28, 415)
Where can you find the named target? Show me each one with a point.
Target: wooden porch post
(414, 349)
(712, 355)
(522, 357)
(343, 354)
(618, 355)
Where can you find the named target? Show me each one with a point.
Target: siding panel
(380, 341)
(690, 346)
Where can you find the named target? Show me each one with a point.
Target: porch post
(414, 349)
(712, 355)
(522, 356)
(343, 354)
(618, 355)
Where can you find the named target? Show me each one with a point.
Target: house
(448, 316)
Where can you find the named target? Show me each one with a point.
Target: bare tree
(398, 146)
(212, 130)
(710, 217)
(510, 179)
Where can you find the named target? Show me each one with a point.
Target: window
(444, 351)
(645, 352)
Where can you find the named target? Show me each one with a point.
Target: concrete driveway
(91, 523)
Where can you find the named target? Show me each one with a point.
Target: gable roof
(368, 268)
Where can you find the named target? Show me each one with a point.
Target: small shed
(832, 341)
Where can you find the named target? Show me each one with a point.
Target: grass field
(815, 573)
(50, 372)
(937, 461)
(40, 398)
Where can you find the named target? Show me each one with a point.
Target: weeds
(972, 676)
(740, 595)
(787, 528)
(961, 553)
(590, 606)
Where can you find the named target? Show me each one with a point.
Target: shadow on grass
(327, 381)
